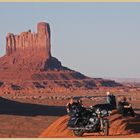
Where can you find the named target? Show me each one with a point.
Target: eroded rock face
(30, 42)
(28, 63)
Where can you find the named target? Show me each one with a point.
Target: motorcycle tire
(105, 128)
(78, 132)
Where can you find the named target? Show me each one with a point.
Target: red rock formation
(30, 42)
(28, 59)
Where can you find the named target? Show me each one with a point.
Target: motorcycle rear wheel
(78, 132)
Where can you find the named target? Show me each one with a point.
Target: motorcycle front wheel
(105, 128)
(78, 132)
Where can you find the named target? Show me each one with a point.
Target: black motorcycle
(88, 120)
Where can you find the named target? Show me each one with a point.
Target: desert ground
(32, 115)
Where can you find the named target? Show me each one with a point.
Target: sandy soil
(120, 127)
(30, 115)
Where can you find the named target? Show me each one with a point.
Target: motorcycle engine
(92, 120)
(92, 123)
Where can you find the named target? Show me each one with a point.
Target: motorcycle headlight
(104, 112)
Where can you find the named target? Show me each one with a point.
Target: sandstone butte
(28, 62)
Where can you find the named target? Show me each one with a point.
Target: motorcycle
(89, 120)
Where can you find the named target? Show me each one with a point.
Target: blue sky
(97, 39)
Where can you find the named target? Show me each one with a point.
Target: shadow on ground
(10, 107)
(134, 124)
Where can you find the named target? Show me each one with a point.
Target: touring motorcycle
(88, 120)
